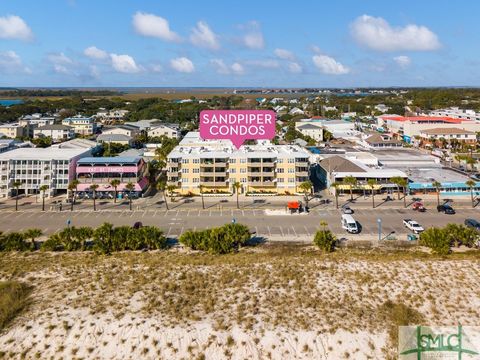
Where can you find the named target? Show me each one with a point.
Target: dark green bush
(325, 240)
(221, 240)
(14, 241)
(436, 239)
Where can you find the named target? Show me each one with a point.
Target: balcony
(214, 183)
(302, 163)
(302, 173)
(262, 183)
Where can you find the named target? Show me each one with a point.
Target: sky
(350, 43)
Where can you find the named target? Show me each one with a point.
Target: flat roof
(50, 153)
(429, 173)
(446, 131)
(109, 160)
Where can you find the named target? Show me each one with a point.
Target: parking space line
(210, 213)
(181, 231)
(256, 231)
(281, 230)
(169, 230)
(294, 231)
(143, 215)
(188, 213)
(269, 232)
(243, 212)
(307, 232)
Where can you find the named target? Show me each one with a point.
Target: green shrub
(461, 235)
(436, 239)
(325, 240)
(13, 298)
(221, 240)
(14, 241)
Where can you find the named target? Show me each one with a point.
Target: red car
(418, 206)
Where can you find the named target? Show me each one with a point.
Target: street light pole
(379, 222)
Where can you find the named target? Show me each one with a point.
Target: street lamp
(379, 223)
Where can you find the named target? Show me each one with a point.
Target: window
(280, 180)
(184, 180)
(291, 160)
(291, 180)
(243, 161)
(280, 170)
(233, 161)
(243, 170)
(196, 161)
(243, 180)
(195, 171)
(291, 171)
(233, 171)
(280, 161)
(196, 180)
(185, 171)
(185, 161)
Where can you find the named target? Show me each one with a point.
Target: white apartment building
(217, 165)
(81, 125)
(168, 130)
(314, 130)
(456, 113)
(55, 132)
(34, 167)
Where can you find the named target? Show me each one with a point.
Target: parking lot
(287, 227)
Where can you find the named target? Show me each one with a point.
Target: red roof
(444, 119)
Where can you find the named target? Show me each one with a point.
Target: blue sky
(243, 43)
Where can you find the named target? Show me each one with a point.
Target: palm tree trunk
(16, 201)
(115, 196)
(373, 198)
(165, 198)
(438, 197)
(130, 202)
(336, 199)
(238, 205)
(94, 202)
(398, 192)
(404, 197)
(351, 193)
(471, 195)
(203, 202)
(43, 201)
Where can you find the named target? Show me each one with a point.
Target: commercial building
(81, 125)
(102, 170)
(449, 134)
(409, 127)
(218, 165)
(13, 130)
(456, 113)
(381, 141)
(128, 130)
(34, 167)
(55, 132)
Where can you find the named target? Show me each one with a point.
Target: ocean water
(5, 102)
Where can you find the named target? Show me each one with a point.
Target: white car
(413, 226)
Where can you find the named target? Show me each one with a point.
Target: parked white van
(349, 223)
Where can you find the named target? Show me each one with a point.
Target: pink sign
(237, 125)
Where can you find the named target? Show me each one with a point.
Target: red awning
(293, 205)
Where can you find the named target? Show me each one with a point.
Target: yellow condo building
(216, 165)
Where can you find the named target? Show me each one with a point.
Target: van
(349, 224)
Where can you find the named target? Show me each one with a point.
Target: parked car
(472, 223)
(446, 209)
(413, 226)
(350, 224)
(347, 210)
(418, 206)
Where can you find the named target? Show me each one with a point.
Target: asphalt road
(175, 222)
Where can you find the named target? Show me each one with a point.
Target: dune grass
(14, 297)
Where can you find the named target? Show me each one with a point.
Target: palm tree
(94, 188)
(32, 234)
(202, 188)
(403, 183)
(437, 185)
(335, 186)
(16, 185)
(237, 186)
(352, 181)
(397, 180)
(114, 183)
(130, 187)
(161, 185)
(471, 161)
(471, 184)
(170, 189)
(306, 187)
(73, 189)
(372, 183)
(43, 189)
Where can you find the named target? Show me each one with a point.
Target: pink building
(102, 170)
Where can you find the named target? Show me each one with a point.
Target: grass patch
(14, 297)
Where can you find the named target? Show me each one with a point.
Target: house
(169, 130)
(114, 139)
(81, 125)
(296, 111)
(382, 141)
(55, 132)
(382, 108)
(111, 117)
(125, 129)
(144, 125)
(314, 131)
(13, 130)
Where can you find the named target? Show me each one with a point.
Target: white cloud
(182, 64)
(294, 68)
(10, 62)
(284, 54)
(222, 68)
(203, 36)
(60, 69)
(402, 61)
(377, 34)
(95, 53)
(253, 39)
(157, 68)
(14, 27)
(266, 63)
(60, 58)
(94, 71)
(154, 26)
(329, 65)
(237, 68)
(124, 64)
(316, 49)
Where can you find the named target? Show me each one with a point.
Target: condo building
(34, 167)
(81, 125)
(217, 165)
(102, 170)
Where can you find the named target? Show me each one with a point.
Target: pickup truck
(413, 226)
